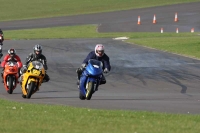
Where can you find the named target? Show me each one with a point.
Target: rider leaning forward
(11, 56)
(36, 56)
(98, 54)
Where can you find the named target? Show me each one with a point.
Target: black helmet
(37, 50)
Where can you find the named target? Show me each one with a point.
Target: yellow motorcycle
(32, 79)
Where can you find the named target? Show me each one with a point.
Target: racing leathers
(104, 59)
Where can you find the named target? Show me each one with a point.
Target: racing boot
(103, 80)
(24, 96)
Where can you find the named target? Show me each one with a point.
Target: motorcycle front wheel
(90, 90)
(10, 84)
(31, 89)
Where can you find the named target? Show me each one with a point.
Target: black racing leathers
(104, 59)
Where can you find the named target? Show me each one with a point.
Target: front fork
(29, 81)
(11, 76)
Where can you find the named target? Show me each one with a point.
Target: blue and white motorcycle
(90, 79)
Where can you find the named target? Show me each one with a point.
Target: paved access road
(141, 78)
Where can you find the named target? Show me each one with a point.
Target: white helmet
(12, 52)
(99, 50)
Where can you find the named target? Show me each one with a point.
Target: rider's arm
(89, 56)
(18, 61)
(107, 63)
(28, 59)
(4, 61)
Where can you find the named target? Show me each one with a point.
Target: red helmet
(99, 50)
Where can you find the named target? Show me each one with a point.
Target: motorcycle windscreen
(37, 65)
(94, 67)
(11, 63)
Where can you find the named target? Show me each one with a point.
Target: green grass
(83, 31)
(188, 45)
(182, 43)
(27, 9)
(20, 117)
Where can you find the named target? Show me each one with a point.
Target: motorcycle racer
(98, 54)
(11, 56)
(36, 55)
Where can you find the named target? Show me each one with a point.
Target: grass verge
(188, 45)
(26, 9)
(19, 117)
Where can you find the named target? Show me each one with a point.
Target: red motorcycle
(10, 76)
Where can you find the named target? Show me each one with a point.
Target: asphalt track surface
(141, 79)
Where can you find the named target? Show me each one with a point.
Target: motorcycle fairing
(92, 73)
(35, 73)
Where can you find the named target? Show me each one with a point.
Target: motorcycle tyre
(90, 90)
(30, 90)
(10, 83)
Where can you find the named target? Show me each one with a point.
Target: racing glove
(80, 69)
(23, 69)
(82, 66)
(106, 70)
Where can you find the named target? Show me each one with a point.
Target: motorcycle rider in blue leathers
(99, 55)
